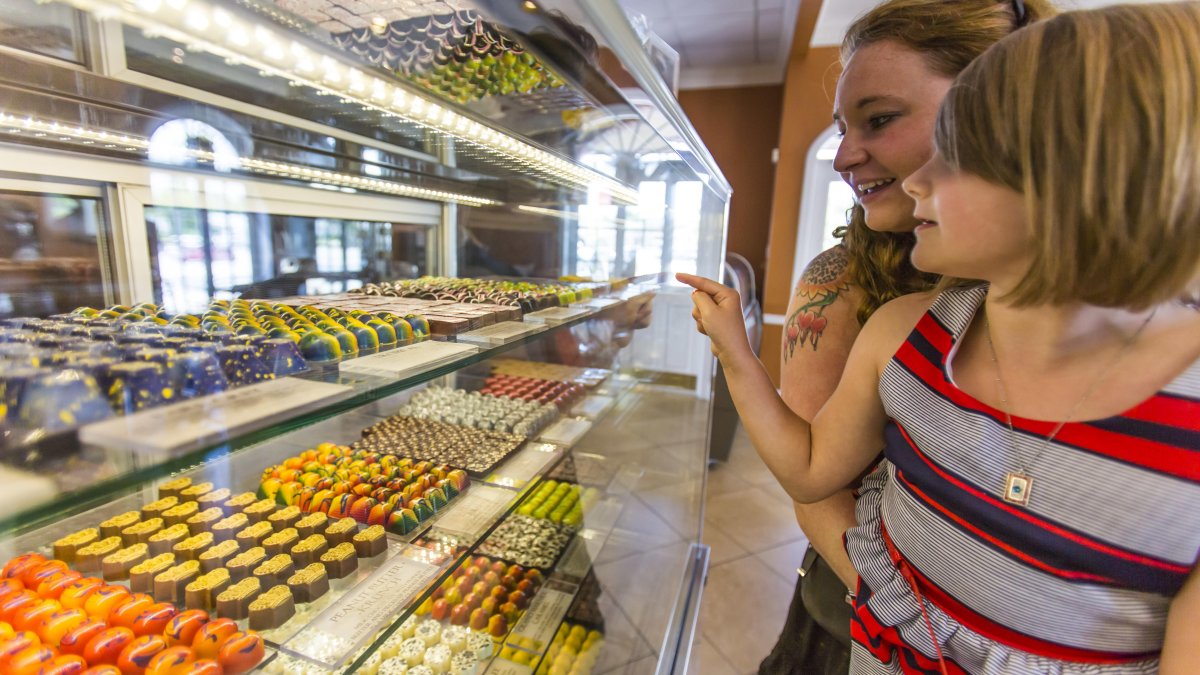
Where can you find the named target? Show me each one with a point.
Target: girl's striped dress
(1079, 581)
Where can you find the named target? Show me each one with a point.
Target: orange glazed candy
(58, 624)
(52, 588)
(14, 602)
(6, 630)
(137, 655)
(171, 661)
(182, 629)
(208, 640)
(103, 669)
(17, 566)
(37, 574)
(204, 667)
(15, 645)
(66, 664)
(30, 661)
(107, 645)
(75, 641)
(155, 619)
(10, 586)
(100, 604)
(128, 610)
(30, 616)
(240, 653)
(77, 592)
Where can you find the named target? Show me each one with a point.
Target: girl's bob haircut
(1094, 116)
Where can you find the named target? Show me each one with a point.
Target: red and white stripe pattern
(1079, 581)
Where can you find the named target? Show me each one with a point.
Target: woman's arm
(1181, 650)
(821, 325)
(811, 462)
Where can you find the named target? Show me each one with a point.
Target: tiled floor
(756, 547)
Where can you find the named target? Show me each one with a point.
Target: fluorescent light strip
(32, 126)
(199, 24)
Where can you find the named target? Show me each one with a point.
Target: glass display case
(340, 336)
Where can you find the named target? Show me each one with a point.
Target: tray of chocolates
(441, 317)
(523, 417)
(527, 541)
(556, 392)
(559, 502)
(483, 594)
(529, 296)
(587, 377)
(478, 451)
(393, 492)
(575, 649)
(57, 619)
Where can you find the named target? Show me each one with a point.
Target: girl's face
(885, 108)
(968, 227)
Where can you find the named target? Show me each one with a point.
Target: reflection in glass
(50, 258)
(198, 254)
(50, 30)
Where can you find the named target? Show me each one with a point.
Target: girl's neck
(1049, 335)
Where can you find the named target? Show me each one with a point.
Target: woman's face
(885, 108)
(968, 227)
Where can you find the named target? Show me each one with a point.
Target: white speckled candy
(412, 651)
(371, 666)
(464, 664)
(393, 666)
(437, 658)
(420, 670)
(480, 644)
(391, 646)
(429, 630)
(455, 637)
(409, 627)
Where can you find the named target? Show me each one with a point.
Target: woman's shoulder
(821, 314)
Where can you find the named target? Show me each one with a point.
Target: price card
(364, 610)
(602, 303)
(541, 620)
(475, 511)
(204, 421)
(408, 360)
(557, 315)
(565, 432)
(523, 466)
(593, 406)
(501, 333)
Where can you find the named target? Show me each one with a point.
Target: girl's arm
(811, 462)
(819, 328)
(1181, 650)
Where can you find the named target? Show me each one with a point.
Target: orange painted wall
(740, 126)
(807, 105)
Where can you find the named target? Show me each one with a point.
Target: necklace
(1018, 485)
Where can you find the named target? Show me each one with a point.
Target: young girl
(1039, 509)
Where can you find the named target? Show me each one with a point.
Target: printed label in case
(565, 432)
(524, 465)
(209, 419)
(593, 406)
(408, 360)
(500, 333)
(543, 617)
(475, 511)
(366, 608)
(556, 315)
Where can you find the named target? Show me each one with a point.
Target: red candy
(182, 629)
(75, 595)
(52, 588)
(58, 624)
(107, 645)
(240, 653)
(125, 612)
(10, 605)
(76, 640)
(155, 619)
(30, 616)
(171, 661)
(137, 655)
(14, 568)
(210, 637)
(10, 586)
(47, 570)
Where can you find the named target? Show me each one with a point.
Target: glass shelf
(112, 468)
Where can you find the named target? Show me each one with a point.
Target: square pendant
(1017, 487)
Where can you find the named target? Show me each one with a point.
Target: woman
(898, 61)
(1039, 507)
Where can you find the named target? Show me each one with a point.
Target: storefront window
(199, 254)
(53, 30)
(50, 255)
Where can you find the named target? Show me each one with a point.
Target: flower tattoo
(823, 281)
